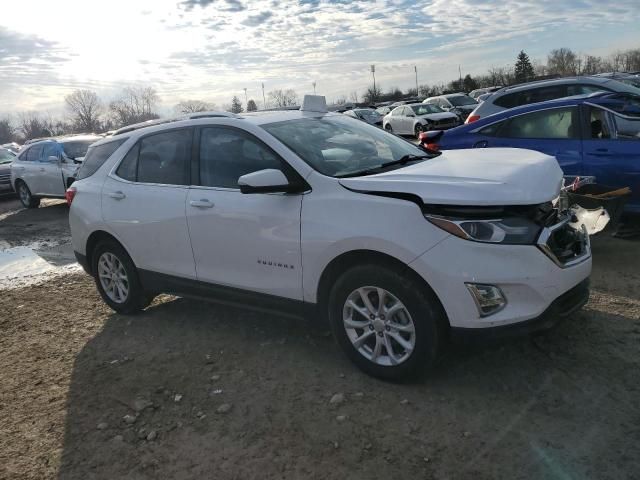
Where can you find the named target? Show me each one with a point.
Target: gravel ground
(195, 390)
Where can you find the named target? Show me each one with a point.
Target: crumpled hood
(482, 177)
(438, 116)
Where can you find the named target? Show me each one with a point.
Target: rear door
(612, 152)
(31, 172)
(554, 131)
(247, 241)
(143, 202)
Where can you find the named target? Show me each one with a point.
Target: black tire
(429, 320)
(418, 130)
(137, 298)
(24, 194)
(388, 127)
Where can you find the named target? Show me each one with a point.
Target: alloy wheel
(25, 196)
(379, 326)
(113, 277)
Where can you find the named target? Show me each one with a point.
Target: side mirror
(266, 181)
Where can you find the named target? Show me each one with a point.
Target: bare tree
(32, 125)
(353, 96)
(283, 98)
(6, 130)
(562, 61)
(341, 100)
(372, 94)
(193, 106)
(591, 64)
(85, 108)
(137, 104)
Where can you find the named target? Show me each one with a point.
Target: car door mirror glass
(269, 180)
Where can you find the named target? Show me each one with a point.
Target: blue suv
(597, 135)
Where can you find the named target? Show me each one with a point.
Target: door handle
(41, 169)
(481, 144)
(117, 195)
(602, 152)
(202, 203)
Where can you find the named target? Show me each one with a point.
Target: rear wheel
(390, 326)
(117, 279)
(388, 127)
(28, 200)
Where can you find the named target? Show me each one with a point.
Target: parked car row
(6, 157)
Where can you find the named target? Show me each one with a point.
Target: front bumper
(563, 306)
(530, 280)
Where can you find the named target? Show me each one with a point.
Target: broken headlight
(509, 230)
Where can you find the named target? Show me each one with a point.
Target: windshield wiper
(401, 161)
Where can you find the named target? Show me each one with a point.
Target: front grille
(564, 244)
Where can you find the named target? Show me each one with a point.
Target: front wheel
(389, 325)
(28, 200)
(117, 279)
(388, 127)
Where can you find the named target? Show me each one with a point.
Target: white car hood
(482, 177)
(438, 116)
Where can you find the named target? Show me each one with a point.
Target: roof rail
(161, 121)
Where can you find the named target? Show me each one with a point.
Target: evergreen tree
(251, 106)
(236, 105)
(524, 69)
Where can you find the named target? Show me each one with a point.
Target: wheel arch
(93, 240)
(350, 259)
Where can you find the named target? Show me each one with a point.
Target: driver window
(227, 154)
(49, 150)
(598, 124)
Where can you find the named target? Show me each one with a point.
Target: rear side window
(508, 101)
(163, 158)
(96, 156)
(557, 123)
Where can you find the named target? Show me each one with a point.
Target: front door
(612, 153)
(247, 241)
(143, 203)
(51, 178)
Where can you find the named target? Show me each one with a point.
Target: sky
(211, 50)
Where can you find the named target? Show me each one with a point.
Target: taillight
(472, 118)
(70, 194)
(433, 146)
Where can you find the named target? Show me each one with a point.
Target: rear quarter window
(96, 156)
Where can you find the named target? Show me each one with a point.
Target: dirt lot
(86, 393)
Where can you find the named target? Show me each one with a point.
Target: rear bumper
(562, 307)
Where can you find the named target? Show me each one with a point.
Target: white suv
(301, 211)
(46, 168)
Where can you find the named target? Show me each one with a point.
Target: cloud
(226, 6)
(257, 20)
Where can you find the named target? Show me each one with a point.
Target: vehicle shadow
(193, 390)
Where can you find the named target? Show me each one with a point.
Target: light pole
(373, 72)
(314, 87)
(415, 68)
(264, 101)
(246, 100)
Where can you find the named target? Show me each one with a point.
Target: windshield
(370, 115)
(77, 149)
(6, 156)
(461, 100)
(426, 108)
(338, 146)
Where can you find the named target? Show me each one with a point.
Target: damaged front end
(556, 233)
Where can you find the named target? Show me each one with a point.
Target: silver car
(415, 118)
(46, 168)
(6, 158)
(459, 103)
(543, 90)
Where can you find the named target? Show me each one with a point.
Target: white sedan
(415, 118)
